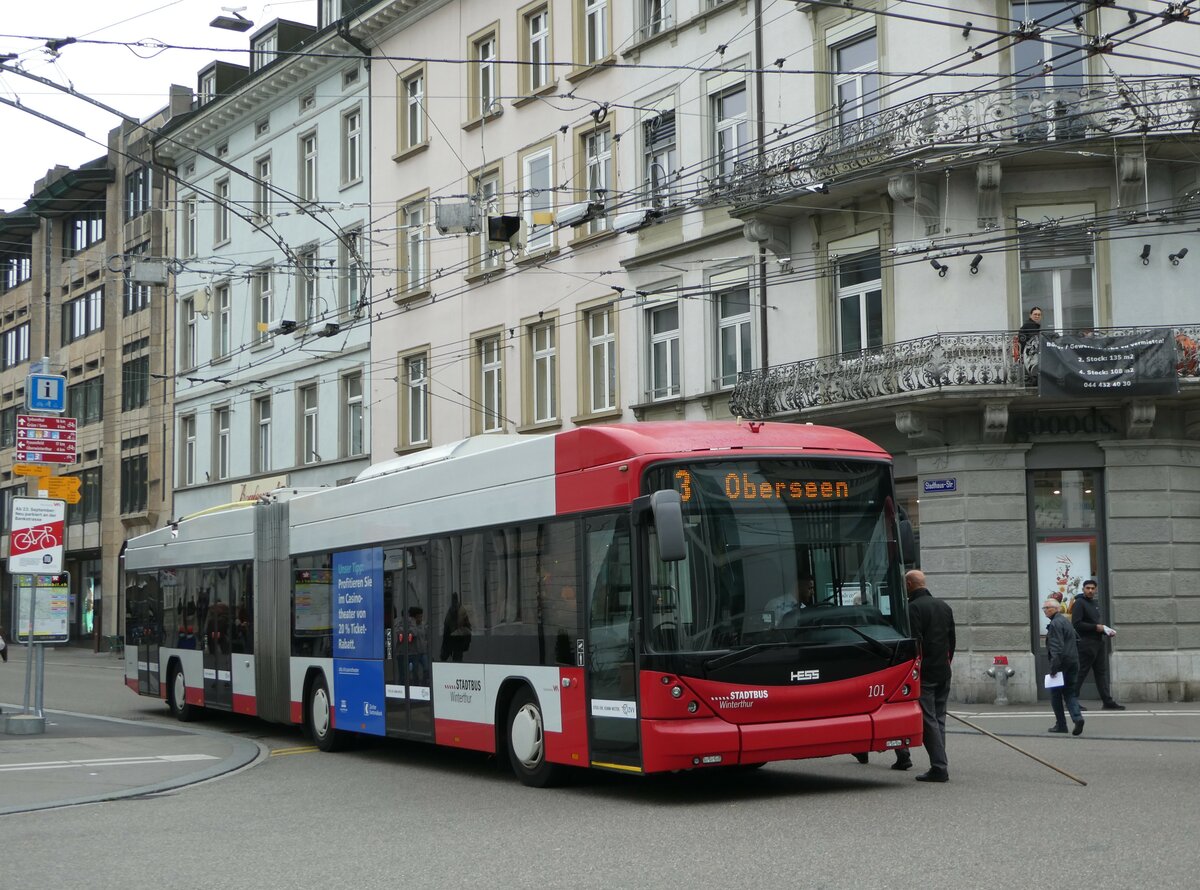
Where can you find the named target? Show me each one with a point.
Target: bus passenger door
(611, 665)
(216, 629)
(409, 709)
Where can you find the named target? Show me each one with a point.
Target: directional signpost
(64, 487)
(49, 440)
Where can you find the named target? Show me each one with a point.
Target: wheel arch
(504, 695)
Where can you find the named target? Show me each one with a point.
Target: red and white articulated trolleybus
(642, 598)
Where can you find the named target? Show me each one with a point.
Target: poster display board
(1063, 564)
(1091, 365)
(52, 608)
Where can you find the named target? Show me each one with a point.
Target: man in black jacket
(1063, 652)
(1093, 639)
(932, 622)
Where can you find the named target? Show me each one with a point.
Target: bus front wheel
(177, 696)
(527, 743)
(320, 718)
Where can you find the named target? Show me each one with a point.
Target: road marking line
(104, 761)
(284, 752)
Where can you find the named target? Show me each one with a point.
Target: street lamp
(233, 22)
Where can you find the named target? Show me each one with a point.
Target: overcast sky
(132, 80)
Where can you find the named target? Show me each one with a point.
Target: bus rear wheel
(177, 696)
(320, 718)
(527, 743)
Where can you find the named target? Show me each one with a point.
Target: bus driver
(801, 597)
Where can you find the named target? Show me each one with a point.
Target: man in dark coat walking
(1093, 640)
(1063, 653)
(932, 622)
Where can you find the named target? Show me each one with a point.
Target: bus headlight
(676, 692)
(693, 707)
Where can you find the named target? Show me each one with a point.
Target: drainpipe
(762, 150)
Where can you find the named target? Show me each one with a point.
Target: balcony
(975, 122)
(990, 364)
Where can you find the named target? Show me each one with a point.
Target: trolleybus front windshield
(778, 551)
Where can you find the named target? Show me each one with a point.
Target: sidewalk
(85, 759)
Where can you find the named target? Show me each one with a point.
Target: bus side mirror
(668, 522)
(908, 544)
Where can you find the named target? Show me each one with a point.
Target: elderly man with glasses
(1064, 662)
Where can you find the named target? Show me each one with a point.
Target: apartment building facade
(273, 223)
(946, 179)
(84, 296)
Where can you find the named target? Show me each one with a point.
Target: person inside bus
(456, 631)
(801, 597)
(417, 637)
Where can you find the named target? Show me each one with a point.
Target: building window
(537, 200)
(415, 396)
(412, 116)
(597, 154)
(262, 127)
(263, 50)
(733, 335)
(137, 295)
(602, 359)
(262, 189)
(221, 212)
(83, 315)
(85, 401)
(187, 335)
(135, 383)
(260, 291)
(189, 226)
(350, 281)
(663, 326)
(662, 160)
(310, 425)
(414, 259)
(856, 83)
(595, 31)
(537, 49)
(487, 189)
(307, 277)
(657, 16)
(1058, 275)
(83, 231)
(352, 146)
(18, 264)
(352, 416)
(544, 359)
(859, 299)
(483, 54)
(731, 128)
(206, 88)
(137, 192)
(491, 393)
(8, 430)
(308, 167)
(187, 449)
(262, 434)
(134, 483)
(224, 326)
(308, 102)
(221, 443)
(15, 346)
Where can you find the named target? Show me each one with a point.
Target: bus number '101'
(875, 691)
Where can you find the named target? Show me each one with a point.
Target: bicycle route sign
(35, 545)
(49, 440)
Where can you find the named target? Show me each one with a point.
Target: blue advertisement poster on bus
(358, 692)
(358, 603)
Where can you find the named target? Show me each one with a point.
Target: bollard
(1000, 671)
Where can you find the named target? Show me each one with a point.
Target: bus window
(312, 605)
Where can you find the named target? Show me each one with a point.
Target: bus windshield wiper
(874, 643)
(731, 658)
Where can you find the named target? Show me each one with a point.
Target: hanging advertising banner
(1090, 365)
(1063, 564)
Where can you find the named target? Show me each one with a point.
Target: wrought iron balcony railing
(991, 362)
(993, 118)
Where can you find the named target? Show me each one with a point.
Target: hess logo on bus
(804, 676)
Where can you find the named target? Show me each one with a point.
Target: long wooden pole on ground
(1016, 748)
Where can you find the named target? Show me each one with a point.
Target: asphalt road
(398, 815)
